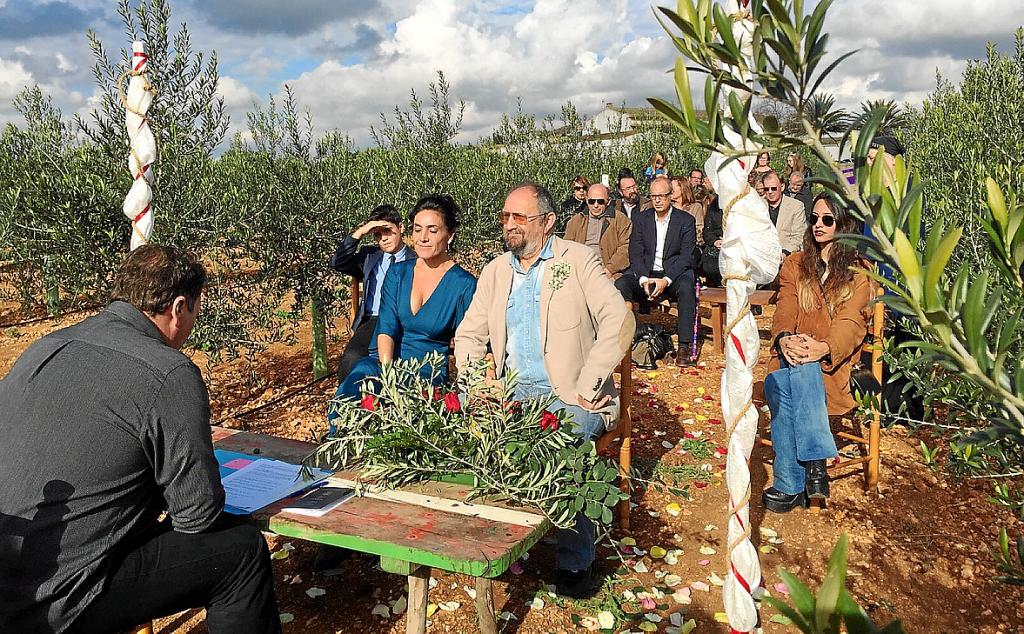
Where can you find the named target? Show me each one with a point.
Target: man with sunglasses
(547, 311)
(369, 265)
(787, 214)
(661, 264)
(604, 230)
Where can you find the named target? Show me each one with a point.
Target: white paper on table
(264, 482)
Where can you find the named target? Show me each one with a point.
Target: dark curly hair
(442, 204)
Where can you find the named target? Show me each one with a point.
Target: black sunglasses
(579, 188)
(596, 201)
(828, 221)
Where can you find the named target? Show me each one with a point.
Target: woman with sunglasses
(576, 202)
(423, 299)
(819, 325)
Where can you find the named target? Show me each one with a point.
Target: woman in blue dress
(422, 300)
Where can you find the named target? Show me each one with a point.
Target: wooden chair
(143, 629)
(870, 459)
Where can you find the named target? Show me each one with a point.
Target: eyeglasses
(828, 221)
(597, 201)
(653, 196)
(631, 188)
(517, 217)
(579, 188)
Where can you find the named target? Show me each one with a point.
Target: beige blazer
(585, 326)
(791, 225)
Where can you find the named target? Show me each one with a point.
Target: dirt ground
(920, 546)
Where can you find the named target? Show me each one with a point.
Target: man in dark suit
(369, 264)
(661, 263)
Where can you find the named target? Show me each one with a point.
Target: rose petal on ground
(449, 606)
(710, 527)
(536, 604)
(431, 609)
(654, 514)
(628, 596)
(432, 583)
(627, 541)
(506, 616)
(704, 562)
(658, 552)
(667, 445)
(674, 509)
(287, 546)
(781, 588)
(707, 550)
(647, 626)
(280, 554)
(672, 580)
(381, 610)
(682, 596)
(767, 549)
(721, 617)
(715, 580)
(286, 617)
(640, 567)
(648, 603)
(516, 568)
(767, 532)
(589, 623)
(606, 620)
(701, 586)
(314, 592)
(652, 617)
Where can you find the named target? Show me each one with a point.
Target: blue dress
(415, 335)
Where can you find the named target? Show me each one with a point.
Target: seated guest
(763, 165)
(564, 337)
(712, 238)
(604, 230)
(795, 165)
(798, 190)
(656, 167)
(104, 427)
(696, 178)
(369, 265)
(682, 197)
(423, 299)
(576, 202)
(819, 325)
(630, 201)
(661, 264)
(786, 214)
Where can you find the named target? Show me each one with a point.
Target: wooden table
(412, 529)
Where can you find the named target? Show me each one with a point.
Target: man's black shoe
(683, 358)
(817, 479)
(778, 502)
(576, 584)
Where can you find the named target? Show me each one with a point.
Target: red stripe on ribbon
(141, 62)
(739, 347)
(145, 168)
(739, 577)
(145, 210)
(742, 164)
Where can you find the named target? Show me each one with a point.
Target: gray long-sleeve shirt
(102, 427)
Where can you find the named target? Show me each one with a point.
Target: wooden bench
(715, 299)
(870, 459)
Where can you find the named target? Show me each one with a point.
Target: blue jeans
(576, 547)
(800, 429)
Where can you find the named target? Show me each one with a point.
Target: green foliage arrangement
(833, 608)
(411, 431)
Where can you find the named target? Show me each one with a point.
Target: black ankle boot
(778, 502)
(817, 479)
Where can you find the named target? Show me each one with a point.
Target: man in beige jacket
(546, 310)
(786, 213)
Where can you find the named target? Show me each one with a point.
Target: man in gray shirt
(104, 426)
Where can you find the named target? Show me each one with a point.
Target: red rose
(451, 402)
(369, 402)
(549, 422)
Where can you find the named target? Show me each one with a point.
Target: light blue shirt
(378, 278)
(523, 347)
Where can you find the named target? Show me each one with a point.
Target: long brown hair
(684, 189)
(838, 286)
(798, 167)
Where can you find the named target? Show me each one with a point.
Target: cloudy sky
(348, 60)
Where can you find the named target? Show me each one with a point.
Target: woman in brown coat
(819, 325)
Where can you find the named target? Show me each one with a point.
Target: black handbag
(651, 343)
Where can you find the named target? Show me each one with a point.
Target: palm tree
(824, 116)
(895, 118)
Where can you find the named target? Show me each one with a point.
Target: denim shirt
(522, 323)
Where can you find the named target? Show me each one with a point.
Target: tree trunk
(320, 364)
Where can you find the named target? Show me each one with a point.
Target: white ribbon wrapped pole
(142, 146)
(750, 255)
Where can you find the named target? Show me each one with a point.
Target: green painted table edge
(391, 554)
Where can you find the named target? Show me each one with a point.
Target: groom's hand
(595, 405)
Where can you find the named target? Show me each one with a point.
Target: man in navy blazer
(661, 263)
(369, 264)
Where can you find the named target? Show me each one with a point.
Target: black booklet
(320, 501)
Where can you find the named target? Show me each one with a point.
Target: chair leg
(717, 326)
(625, 460)
(874, 452)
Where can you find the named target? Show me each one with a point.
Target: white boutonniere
(559, 273)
